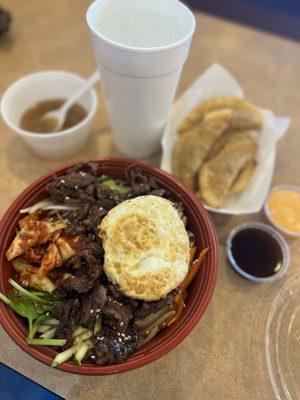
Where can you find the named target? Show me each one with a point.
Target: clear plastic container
(277, 236)
(294, 188)
(282, 341)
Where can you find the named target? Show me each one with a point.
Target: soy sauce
(257, 252)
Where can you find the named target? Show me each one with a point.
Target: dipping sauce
(284, 209)
(257, 252)
(33, 121)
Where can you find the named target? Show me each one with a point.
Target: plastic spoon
(58, 117)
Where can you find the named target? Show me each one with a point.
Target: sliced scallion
(79, 330)
(4, 299)
(84, 336)
(49, 334)
(43, 328)
(26, 292)
(81, 352)
(46, 342)
(64, 356)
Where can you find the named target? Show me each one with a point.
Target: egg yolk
(284, 209)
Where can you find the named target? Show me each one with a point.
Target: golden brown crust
(243, 178)
(246, 115)
(217, 175)
(227, 135)
(192, 149)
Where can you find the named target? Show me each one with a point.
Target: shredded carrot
(192, 255)
(179, 310)
(194, 267)
(193, 270)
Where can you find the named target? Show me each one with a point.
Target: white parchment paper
(217, 81)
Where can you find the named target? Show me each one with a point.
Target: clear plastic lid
(282, 341)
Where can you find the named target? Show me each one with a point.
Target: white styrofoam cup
(139, 82)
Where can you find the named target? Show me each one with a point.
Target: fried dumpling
(245, 116)
(243, 178)
(218, 175)
(245, 175)
(192, 149)
(223, 139)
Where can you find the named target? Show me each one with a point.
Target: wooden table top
(223, 358)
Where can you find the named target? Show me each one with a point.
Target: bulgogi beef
(82, 283)
(141, 309)
(143, 185)
(93, 303)
(68, 315)
(113, 347)
(87, 292)
(146, 308)
(118, 314)
(86, 266)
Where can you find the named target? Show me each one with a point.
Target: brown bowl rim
(7, 315)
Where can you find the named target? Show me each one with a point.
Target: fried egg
(146, 247)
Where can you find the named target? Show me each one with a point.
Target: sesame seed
(92, 356)
(98, 310)
(102, 337)
(123, 334)
(91, 311)
(120, 340)
(121, 323)
(100, 208)
(67, 198)
(63, 181)
(127, 337)
(76, 186)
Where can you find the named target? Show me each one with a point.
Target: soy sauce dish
(258, 252)
(106, 266)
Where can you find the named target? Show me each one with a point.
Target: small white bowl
(271, 231)
(46, 85)
(286, 232)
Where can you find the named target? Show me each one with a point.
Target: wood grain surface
(223, 358)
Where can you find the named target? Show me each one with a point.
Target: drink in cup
(140, 47)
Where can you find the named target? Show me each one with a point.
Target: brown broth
(33, 121)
